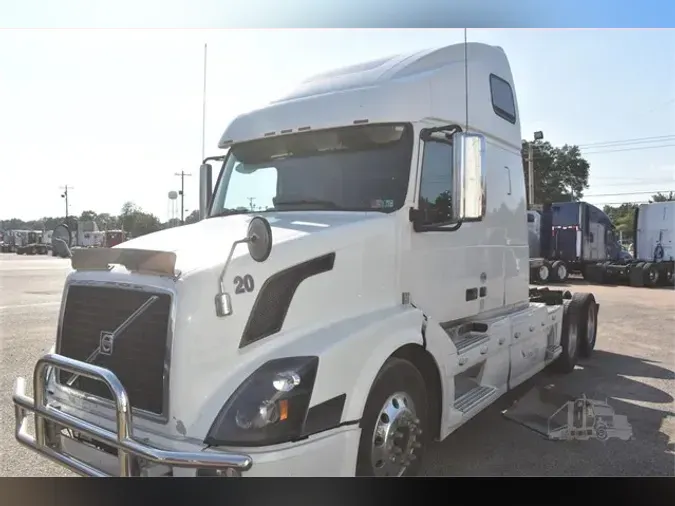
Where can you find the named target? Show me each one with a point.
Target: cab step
(467, 342)
(474, 398)
(552, 352)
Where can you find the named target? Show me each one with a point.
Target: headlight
(269, 407)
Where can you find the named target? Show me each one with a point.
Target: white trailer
(376, 301)
(653, 262)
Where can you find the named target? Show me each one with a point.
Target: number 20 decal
(243, 284)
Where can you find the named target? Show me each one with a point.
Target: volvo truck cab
(357, 288)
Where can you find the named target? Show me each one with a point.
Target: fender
(384, 338)
(443, 351)
(350, 353)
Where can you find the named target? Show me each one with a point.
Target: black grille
(138, 353)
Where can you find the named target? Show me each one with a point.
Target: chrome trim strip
(162, 418)
(49, 420)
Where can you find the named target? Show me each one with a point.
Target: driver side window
(436, 183)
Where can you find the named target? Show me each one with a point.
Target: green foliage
(132, 219)
(560, 173)
(662, 197)
(623, 216)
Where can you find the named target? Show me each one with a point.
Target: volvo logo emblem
(106, 342)
(107, 338)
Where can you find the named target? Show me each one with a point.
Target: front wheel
(394, 426)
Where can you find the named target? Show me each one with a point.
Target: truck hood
(207, 243)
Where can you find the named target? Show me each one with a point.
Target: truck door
(454, 272)
(596, 238)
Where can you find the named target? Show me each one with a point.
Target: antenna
(204, 108)
(466, 80)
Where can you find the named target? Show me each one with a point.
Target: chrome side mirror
(205, 189)
(468, 189)
(259, 240)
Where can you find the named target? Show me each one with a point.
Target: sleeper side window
(503, 101)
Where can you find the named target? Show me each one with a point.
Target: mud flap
(535, 409)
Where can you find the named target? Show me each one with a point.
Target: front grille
(138, 353)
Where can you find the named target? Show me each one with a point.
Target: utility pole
(64, 195)
(250, 202)
(530, 166)
(182, 175)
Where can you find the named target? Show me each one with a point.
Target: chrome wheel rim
(653, 275)
(572, 339)
(543, 273)
(395, 438)
(562, 272)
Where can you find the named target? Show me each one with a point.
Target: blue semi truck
(571, 237)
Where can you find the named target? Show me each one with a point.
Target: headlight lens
(269, 407)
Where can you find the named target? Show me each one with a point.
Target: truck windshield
(358, 168)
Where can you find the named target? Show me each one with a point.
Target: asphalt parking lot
(633, 368)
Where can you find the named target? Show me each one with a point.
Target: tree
(622, 217)
(137, 222)
(662, 197)
(560, 174)
(193, 217)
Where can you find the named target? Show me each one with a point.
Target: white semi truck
(653, 264)
(375, 301)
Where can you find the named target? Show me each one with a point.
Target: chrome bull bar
(129, 450)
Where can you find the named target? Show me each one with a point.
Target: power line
(670, 181)
(639, 140)
(639, 148)
(651, 192)
(606, 151)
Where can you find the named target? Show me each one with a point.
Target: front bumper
(132, 454)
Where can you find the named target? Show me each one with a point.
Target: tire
(635, 274)
(569, 340)
(668, 278)
(398, 382)
(559, 271)
(587, 323)
(652, 276)
(543, 273)
(601, 432)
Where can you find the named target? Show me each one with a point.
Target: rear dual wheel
(560, 272)
(579, 331)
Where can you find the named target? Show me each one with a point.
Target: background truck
(568, 237)
(377, 300)
(653, 259)
(114, 237)
(31, 243)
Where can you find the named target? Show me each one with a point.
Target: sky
(115, 114)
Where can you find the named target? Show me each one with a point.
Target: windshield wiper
(324, 204)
